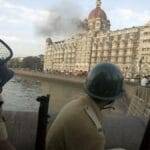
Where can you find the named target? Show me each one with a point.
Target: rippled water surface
(20, 94)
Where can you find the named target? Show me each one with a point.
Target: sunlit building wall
(128, 48)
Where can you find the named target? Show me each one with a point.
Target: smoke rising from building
(64, 19)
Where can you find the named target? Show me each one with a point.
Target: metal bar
(146, 140)
(42, 122)
(10, 50)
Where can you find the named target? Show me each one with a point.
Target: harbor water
(20, 94)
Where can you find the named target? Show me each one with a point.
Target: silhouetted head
(5, 75)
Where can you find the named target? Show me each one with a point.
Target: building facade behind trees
(128, 48)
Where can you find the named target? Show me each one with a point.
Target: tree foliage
(14, 63)
(30, 62)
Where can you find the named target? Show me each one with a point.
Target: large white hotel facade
(128, 48)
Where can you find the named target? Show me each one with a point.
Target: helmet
(104, 82)
(5, 75)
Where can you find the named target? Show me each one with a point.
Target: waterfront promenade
(47, 76)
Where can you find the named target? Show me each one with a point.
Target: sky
(20, 19)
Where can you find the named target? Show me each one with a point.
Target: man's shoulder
(72, 110)
(74, 104)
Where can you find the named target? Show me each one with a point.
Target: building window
(146, 41)
(146, 33)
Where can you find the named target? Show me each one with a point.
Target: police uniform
(3, 131)
(5, 75)
(77, 127)
(4, 143)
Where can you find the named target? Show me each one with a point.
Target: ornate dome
(97, 13)
(97, 19)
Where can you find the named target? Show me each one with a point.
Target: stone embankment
(41, 75)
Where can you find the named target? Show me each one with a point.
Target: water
(20, 94)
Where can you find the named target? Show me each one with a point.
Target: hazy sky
(20, 19)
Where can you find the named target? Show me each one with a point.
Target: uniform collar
(90, 102)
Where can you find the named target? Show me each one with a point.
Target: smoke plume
(64, 19)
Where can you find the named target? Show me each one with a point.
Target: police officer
(78, 125)
(5, 75)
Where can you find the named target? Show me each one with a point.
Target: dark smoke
(64, 19)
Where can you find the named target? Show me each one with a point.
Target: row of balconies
(120, 59)
(80, 44)
(146, 41)
(57, 52)
(146, 33)
(57, 61)
(119, 37)
(146, 50)
(70, 55)
(82, 61)
(54, 58)
(70, 61)
(82, 57)
(57, 57)
(144, 45)
(70, 50)
(145, 37)
(112, 53)
(81, 64)
(117, 49)
(55, 49)
(113, 59)
(63, 55)
(146, 60)
(94, 54)
(106, 47)
(114, 46)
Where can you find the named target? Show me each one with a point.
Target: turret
(98, 3)
(49, 42)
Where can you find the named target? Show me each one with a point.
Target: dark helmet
(5, 75)
(104, 82)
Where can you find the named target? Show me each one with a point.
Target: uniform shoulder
(76, 104)
(71, 111)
